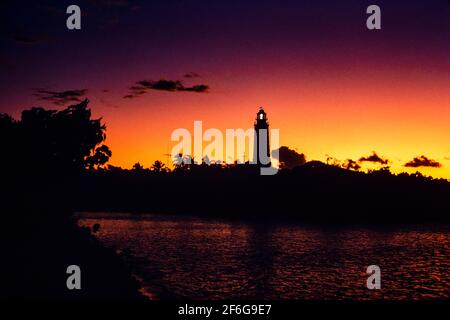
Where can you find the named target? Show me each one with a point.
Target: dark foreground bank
(37, 248)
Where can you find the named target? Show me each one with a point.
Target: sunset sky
(329, 84)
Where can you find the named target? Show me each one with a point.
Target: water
(214, 259)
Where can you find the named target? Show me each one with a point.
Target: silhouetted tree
(138, 167)
(9, 141)
(332, 161)
(183, 162)
(112, 168)
(350, 164)
(158, 167)
(45, 141)
(383, 171)
(99, 157)
(206, 160)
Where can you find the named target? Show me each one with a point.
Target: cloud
(192, 75)
(289, 158)
(108, 104)
(25, 39)
(196, 88)
(423, 161)
(144, 86)
(29, 38)
(60, 98)
(374, 158)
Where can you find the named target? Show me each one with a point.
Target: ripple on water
(212, 259)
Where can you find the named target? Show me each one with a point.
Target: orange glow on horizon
(400, 114)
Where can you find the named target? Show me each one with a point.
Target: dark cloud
(165, 85)
(289, 158)
(191, 75)
(29, 38)
(423, 161)
(196, 88)
(143, 86)
(374, 158)
(108, 104)
(350, 164)
(60, 98)
(25, 39)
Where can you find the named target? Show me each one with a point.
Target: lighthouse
(261, 145)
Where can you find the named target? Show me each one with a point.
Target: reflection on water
(213, 259)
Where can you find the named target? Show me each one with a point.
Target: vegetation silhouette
(66, 148)
(50, 141)
(54, 163)
(311, 192)
(42, 154)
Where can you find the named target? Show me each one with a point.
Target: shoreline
(48, 244)
(154, 244)
(254, 218)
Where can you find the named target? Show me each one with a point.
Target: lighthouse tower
(261, 139)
